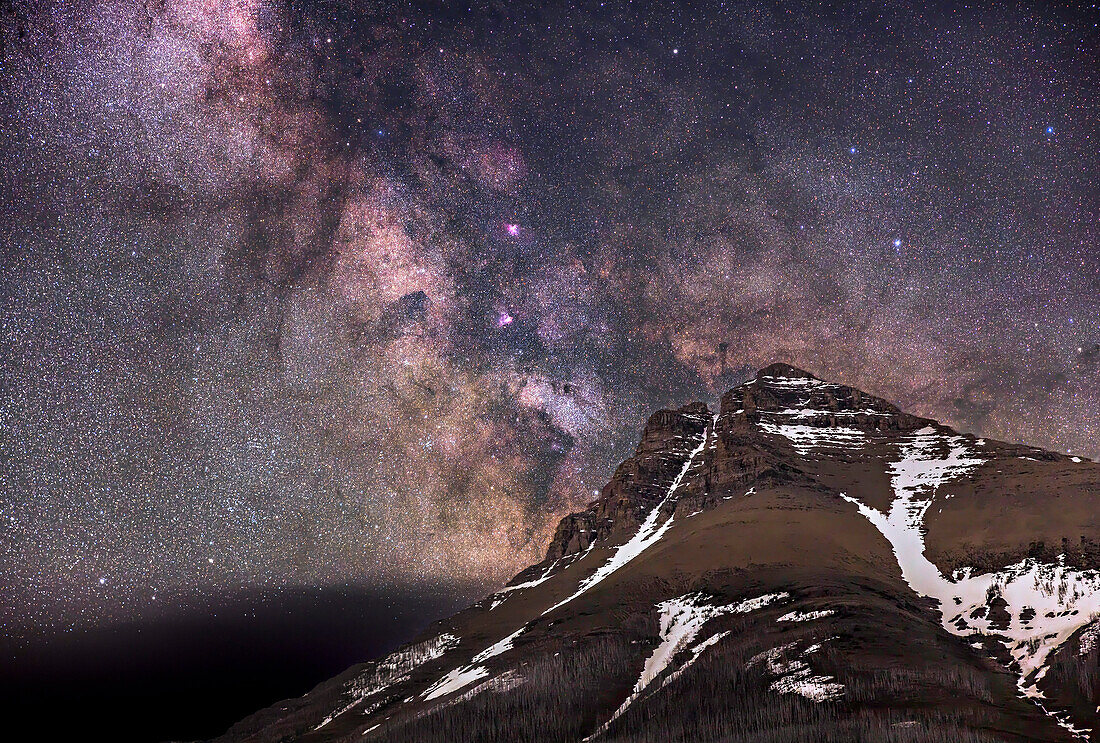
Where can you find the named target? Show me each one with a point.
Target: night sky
(311, 295)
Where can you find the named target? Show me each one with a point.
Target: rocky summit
(807, 563)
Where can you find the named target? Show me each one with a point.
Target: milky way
(313, 294)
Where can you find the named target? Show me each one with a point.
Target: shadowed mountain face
(807, 563)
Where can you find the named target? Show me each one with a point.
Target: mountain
(810, 563)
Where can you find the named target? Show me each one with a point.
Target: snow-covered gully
(648, 534)
(1046, 603)
(682, 619)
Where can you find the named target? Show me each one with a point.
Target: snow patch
(462, 677)
(811, 413)
(459, 678)
(498, 647)
(794, 675)
(750, 491)
(805, 438)
(1090, 636)
(496, 684)
(806, 616)
(796, 383)
(393, 669)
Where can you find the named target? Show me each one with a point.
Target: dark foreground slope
(810, 563)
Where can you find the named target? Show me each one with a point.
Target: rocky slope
(807, 563)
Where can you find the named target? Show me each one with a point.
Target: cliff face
(639, 483)
(744, 449)
(808, 562)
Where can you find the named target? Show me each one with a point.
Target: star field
(310, 294)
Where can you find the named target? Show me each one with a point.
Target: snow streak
(499, 597)
(806, 616)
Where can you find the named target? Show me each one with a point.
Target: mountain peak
(785, 371)
(792, 563)
(781, 396)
